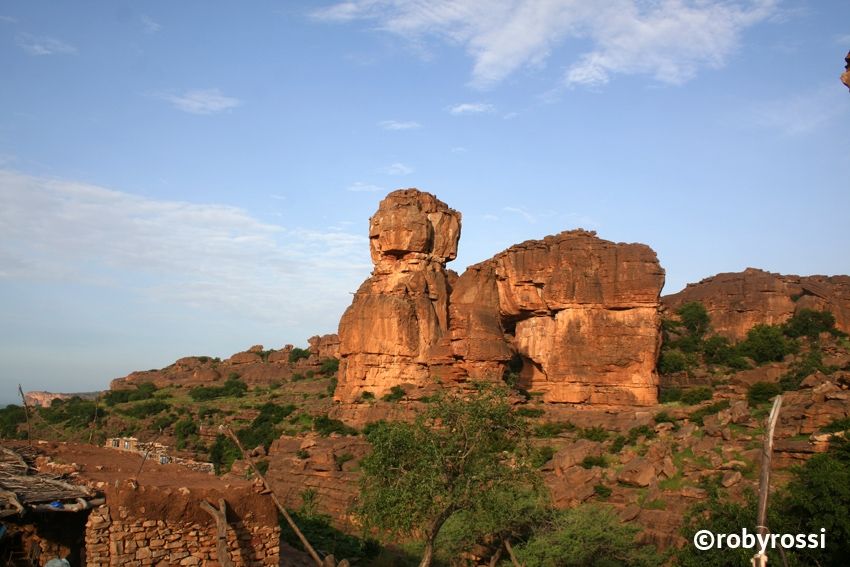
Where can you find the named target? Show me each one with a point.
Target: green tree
(766, 343)
(587, 536)
(810, 323)
(462, 451)
(694, 318)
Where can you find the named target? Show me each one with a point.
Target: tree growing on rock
(457, 456)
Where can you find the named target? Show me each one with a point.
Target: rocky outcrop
(738, 301)
(401, 311)
(44, 399)
(845, 77)
(574, 315)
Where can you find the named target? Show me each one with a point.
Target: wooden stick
(27, 414)
(280, 507)
(760, 559)
(220, 516)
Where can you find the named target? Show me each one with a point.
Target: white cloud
(8, 20)
(521, 212)
(202, 255)
(803, 113)
(397, 169)
(459, 150)
(669, 40)
(149, 25)
(43, 45)
(471, 108)
(843, 40)
(359, 186)
(200, 101)
(399, 125)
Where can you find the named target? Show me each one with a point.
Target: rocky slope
(738, 301)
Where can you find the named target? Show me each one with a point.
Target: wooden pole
(27, 414)
(94, 423)
(220, 516)
(760, 558)
(287, 517)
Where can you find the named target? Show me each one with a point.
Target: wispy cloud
(150, 25)
(471, 108)
(397, 169)
(669, 40)
(201, 101)
(43, 45)
(202, 255)
(802, 113)
(8, 20)
(521, 212)
(359, 186)
(399, 125)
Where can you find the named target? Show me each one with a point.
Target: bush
(395, 394)
(674, 360)
(145, 409)
(591, 461)
(667, 395)
(663, 417)
(837, 425)
(719, 350)
(297, 354)
(766, 343)
(262, 430)
(233, 387)
(694, 318)
(222, 454)
(324, 426)
(329, 366)
(644, 431)
(10, 418)
(542, 455)
(811, 362)
(809, 323)
(553, 428)
(530, 412)
(618, 444)
(696, 395)
(762, 392)
(366, 396)
(595, 433)
(701, 413)
(602, 491)
(184, 430)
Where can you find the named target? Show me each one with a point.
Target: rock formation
(738, 301)
(401, 311)
(845, 77)
(575, 316)
(580, 313)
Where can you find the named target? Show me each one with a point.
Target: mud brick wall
(127, 541)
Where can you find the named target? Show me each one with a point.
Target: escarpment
(574, 317)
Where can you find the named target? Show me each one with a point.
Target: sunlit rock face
(401, 311)
(738, 301)
(574, 316)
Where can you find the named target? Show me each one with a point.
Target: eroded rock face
(845, 77)
(579, 313)
(401, 311)
(576, 316)
(738, 301)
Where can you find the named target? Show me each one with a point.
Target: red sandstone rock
(738, 301)
(845, 77)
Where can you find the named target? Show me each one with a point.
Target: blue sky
(197, 177)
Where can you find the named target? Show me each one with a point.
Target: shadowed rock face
(738, 301)
(574, 315)
(845, 77)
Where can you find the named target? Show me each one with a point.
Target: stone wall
(133, 542)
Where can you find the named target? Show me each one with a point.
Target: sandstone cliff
(738, 301)
(845, 77)
(574, 315)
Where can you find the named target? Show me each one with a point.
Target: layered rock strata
(738, 301)
(575, 316)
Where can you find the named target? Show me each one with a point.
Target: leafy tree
(694, 318)
(766, 343)
(590, 535)
(329, 366)
(10, 417)
(809, 323)
(674, 360)
(462, 451)
(297, 354)
(762, 392)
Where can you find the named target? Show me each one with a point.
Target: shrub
(719, 350)
(591, 461)
(340, 460)
(809, 323)
(143, 391)
(324, 426)
(762, 392)
(837, 425)
(542, 455)
(329, 366)
(640, 431)
(297, 354)
(811, 362)
(766, 343)
(618, 444)
(701, 413)
(602, 491)
(553, 428)
(663, 417)
(145, 409)
(366, 395)
(222, 454)
(302, 454)
(10, 418)
(395, 394)
(672, 361)
(696, 395)
(164, 421)
(297, 377)
(183, 430)
(595, 433)
(667, 395)
(262, 430)
(233, 387)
